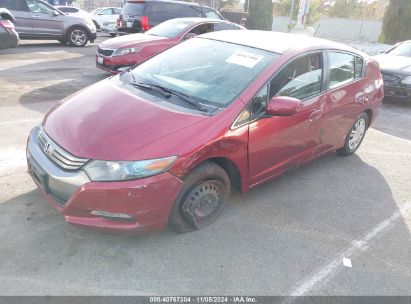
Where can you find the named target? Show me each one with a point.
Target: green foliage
(397, 22)
(260, 15)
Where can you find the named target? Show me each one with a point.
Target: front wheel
(201, 200)
(355, 136)
(62, 41)
(78, 37)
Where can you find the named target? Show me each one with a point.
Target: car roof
(201, 20)
(277, 42)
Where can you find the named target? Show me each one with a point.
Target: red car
(164, 143)
(118, 54)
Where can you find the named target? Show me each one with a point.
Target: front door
(44, 22)
(279, 143)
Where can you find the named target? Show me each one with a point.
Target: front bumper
(147, 201)
(113, 64)
(398, 92)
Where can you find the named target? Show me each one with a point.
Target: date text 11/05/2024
(203, 299)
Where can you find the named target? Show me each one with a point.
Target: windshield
(170, 29)
(404, 49)
(212, 72)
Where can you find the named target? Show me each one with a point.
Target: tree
(396, 24)
(260, 15)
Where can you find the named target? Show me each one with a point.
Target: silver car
(36, 19)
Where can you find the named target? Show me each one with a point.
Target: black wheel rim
(203, 202)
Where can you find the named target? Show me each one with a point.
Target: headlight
(406, 80)
(121, 52)
(100, 170)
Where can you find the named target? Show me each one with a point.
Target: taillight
(144, 23)
(118, 22)
(7, 24)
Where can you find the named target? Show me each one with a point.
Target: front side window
(342, 67)
(216, 75)
(300, 79)
(223, 26)
(38, 7)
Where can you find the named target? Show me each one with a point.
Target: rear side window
(133, 9)
(209, 13)
(300, 78)
(359, 63)
(159, 12)
(193, 11)
(106, 11)
(202, 29)
(117, 11)
(14, 5)
(342, 68)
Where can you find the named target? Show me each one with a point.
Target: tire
(96, 24)
(201, 200)
(78, 36)
(62, 41)
(355, 135)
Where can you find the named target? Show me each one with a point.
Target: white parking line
(322, 275)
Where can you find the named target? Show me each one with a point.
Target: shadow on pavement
(267, 239)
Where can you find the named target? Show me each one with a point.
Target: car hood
(107, 121)
(130, 40)
(392, 64)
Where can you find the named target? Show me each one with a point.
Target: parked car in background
(140, 16)
(8, 35)
(163, 144)
(105, 14)
(117, 54)
(73, 11)
(110, 27)
(36, 19)
(395, 65)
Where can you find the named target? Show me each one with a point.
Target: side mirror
(283, 106)
(55, 13)
(381, 52)
(189, 36)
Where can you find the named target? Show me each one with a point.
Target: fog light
(111, 215)
(123, 68)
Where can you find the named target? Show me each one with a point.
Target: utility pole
(290, 22)
(302, 13)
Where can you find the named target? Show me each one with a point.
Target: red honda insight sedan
(118, 54)
(164, 143)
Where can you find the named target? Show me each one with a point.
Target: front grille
(105, 52)
(59, 156)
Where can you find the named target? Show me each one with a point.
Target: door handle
(315, 115)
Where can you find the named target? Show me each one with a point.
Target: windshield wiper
(166, 92)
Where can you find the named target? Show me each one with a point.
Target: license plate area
(39, 176)
(100, 60)
(129, 24)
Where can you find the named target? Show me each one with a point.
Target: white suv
(105, 14)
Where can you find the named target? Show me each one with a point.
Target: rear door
(20, 11)
(44, 22)
(346, 96)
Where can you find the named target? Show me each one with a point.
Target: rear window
(133, 9)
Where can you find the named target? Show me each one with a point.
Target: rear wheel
(201, 200)
(355, 136)
(78, 37)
